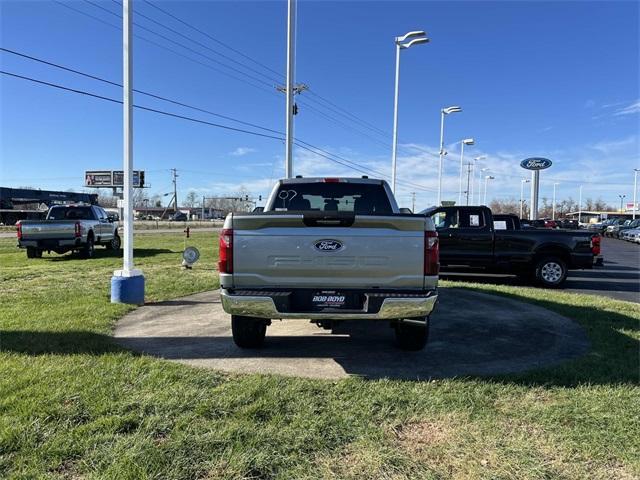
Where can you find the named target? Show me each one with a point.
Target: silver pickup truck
(67, 228)
(329, 249)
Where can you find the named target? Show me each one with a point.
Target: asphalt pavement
(471, 334)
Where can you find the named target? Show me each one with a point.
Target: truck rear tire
(33, 252)
(88, 249)
(551, 272)
(248, 332)
(412, 337)
(114, 244)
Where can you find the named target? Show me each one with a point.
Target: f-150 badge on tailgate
(328, 245)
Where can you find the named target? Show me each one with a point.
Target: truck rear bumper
(393, 306)
(46, 244)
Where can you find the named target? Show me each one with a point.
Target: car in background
(613, 227)
(567, 224)
(178, 217)
(617, 230)
(631, 235)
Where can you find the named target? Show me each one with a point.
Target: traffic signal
(259, 198)
(295, 108)
(246, 198)
(141, 179)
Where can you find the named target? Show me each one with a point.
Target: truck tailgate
(50, 229)
(289, 250)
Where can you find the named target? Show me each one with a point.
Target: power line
(186, 47)
(164, 47)
(152, 95)
(213, 38)
(141, 107)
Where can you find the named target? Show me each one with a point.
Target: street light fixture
(466, 141)
(522, 182)
(443, 112)
(622, 197)
(417, 37)
(486, 179)
(553, 206)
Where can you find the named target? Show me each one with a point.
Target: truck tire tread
(248, 332)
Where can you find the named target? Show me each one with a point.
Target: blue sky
(553, 79)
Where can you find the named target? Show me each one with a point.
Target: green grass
(75, 405)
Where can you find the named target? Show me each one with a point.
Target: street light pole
(622, 197)
(635, 189)
(443, 112)
(127, 285)
(580, 206)
(522, 182)
(418, 36)
(482, 170)
(288, 167)
(553, 206)
(466, 141)
(486, 179)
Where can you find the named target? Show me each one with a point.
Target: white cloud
(629, 109)
(241, 151)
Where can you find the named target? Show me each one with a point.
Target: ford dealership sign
(535, 163)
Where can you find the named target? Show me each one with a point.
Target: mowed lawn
(75, 405)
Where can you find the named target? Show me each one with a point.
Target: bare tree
(191, 200)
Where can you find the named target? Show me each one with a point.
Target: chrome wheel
(551, 272)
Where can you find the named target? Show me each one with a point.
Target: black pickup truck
(470, 238)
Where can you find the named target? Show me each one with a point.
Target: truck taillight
(431, 253)
(19, 230)
(77, 230)
(595, 244)
(225, 263)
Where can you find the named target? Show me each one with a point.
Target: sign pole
(535, 185)
(127, 285)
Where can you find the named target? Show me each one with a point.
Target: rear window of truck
(70, 213)
(358, 198)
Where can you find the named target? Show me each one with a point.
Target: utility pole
(580, 206)
(553, 206)
(413, 201)
(291, 19)
(175, 189)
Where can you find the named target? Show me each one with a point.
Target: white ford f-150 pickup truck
(329, 249)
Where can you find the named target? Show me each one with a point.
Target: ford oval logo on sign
(328, 245)
(535, 163)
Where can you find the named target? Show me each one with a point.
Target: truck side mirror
(405, 210)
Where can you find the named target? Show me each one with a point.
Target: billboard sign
(111, 178)
(535, 163)
(100, 178)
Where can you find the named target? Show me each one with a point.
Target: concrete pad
(471, 334)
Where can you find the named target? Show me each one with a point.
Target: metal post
(535, 184)
(413, 202)
(468, 180)
(461, 158)
(580, 206)
(553, 205)
(484, 197)
(127, 91)
(127, 285)
(289, 89)
(480, 184)
(635, 189)
(395, 121)
(522, 182)
(622, 197)
(441, 157)
(202, 217)
(473, 177)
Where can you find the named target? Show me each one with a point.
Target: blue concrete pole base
(127, 288)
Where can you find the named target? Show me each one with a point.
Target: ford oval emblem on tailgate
(328, 245)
